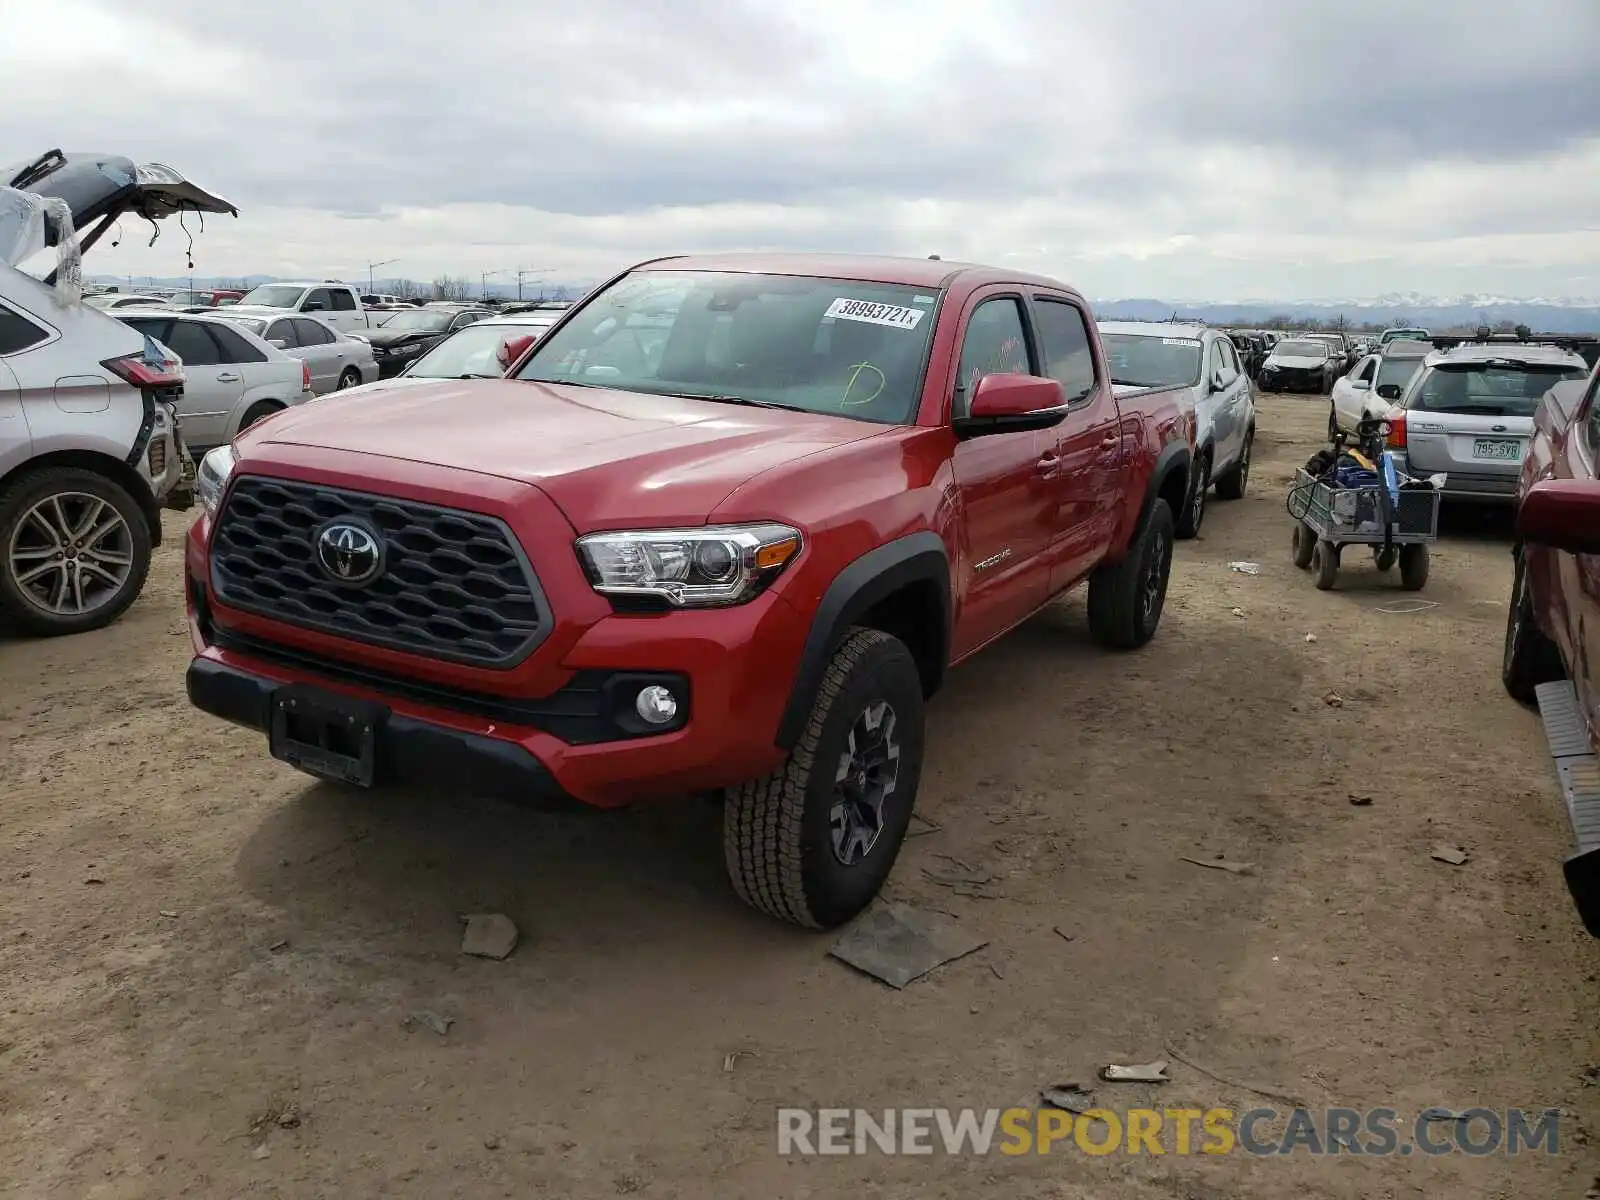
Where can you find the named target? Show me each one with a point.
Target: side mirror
(1389, 391)
(1218, 380)
(278, 343)
(512, 349)
(1361, 385)
(1563, 514)
(1006, 403)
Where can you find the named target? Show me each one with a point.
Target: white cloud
(1153, 147)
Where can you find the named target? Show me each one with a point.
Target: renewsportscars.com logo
(1259, 1132)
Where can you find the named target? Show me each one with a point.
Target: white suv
(336, 303)
(90, 447)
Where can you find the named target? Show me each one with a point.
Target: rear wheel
(74, 551)
(813, 842)
(1126, 598)
(1304, 544)
(1231, 483)
(349, 378)
(1325, 564)
(1414, 567)
(1530, 658)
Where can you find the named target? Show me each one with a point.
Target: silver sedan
(336, 359)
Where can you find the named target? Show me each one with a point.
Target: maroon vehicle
(723, 529)
(1552, 650)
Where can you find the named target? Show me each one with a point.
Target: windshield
(471, 352)
(418, 320)
(820, 345)
(1143, 360)
(1501, 388)
(274, 295)
(1302, 350)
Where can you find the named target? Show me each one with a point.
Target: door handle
(227, 377)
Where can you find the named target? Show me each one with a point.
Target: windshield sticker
(923, 299)
(1179, 342)
(875, 314)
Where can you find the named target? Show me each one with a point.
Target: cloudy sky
(1225, 149)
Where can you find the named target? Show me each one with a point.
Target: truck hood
(610, 460)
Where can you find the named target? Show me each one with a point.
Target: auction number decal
(893, 315)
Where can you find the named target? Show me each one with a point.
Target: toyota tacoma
(723, 530)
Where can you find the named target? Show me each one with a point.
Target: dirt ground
(196, 941)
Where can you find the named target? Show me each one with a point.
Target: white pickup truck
(338, 304)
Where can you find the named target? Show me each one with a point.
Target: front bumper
(1283, 380)
(556, 726)
(390, 365)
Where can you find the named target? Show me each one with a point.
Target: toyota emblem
(349, 553)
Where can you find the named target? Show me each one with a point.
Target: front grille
(454, 585)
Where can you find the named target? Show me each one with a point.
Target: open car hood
(97, 185)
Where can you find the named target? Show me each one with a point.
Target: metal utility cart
(1397, 528)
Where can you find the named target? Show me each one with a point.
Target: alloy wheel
(869, 769)
(70, 554)
(1155, 575)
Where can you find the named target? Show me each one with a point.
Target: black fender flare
(1176, 456)
(915, 558)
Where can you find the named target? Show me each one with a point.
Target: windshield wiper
(719, 399)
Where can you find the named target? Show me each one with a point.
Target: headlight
(212, 476)
(689, 568)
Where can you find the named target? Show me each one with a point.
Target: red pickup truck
(1552, 647)
(723, 529)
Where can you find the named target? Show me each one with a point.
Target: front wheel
(1414, 567)
(1231, 484)
(1126, 598)
(74, 551)
(1194, 515)
(1303, 544)
(813, 842)
(1530, 658)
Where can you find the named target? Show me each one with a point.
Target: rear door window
(1064, 343)
(344, 300)
(282, 331)
(311, 333)
(192, 342)
(235, 349)
(17, 333)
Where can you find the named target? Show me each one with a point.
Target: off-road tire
(1231, 484)
(1194, 512)
(1303, 545)
(776, 837)
(1325, 564)
(1120, 618)
(1414, 567)
(259, 411)
(348, 378)
(20, 615)
(1530, 658)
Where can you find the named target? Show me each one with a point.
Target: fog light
(655, 704)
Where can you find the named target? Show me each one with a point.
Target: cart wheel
(1325, 564)
(1414, 567)
(1305, 544)
(1384, 557)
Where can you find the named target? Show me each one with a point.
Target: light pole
(483, 280)
(371, 266)
(535, 271)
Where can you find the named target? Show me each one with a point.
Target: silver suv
(90, 447)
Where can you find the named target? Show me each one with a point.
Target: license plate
(329, 736)
(1498, 449)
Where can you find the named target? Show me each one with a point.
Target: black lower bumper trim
(408, 751)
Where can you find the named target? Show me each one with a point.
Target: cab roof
(865, 268)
